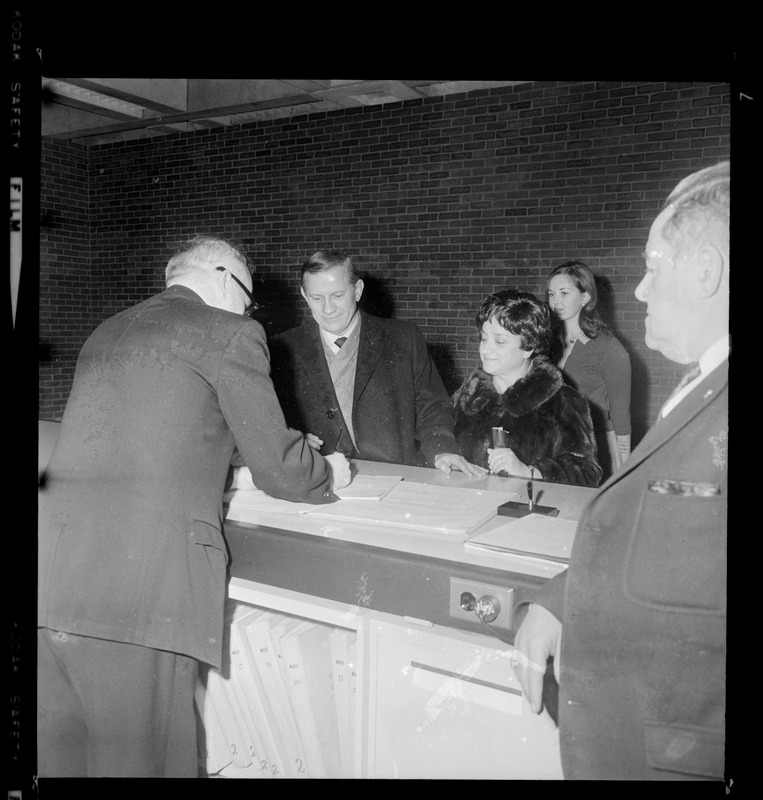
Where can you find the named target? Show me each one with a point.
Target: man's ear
(711, 265)
(302, 292)
(358, 289)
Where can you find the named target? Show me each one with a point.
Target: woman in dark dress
(592, 360)
(549, 434)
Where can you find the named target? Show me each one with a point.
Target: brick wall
(439, 201)
(66, 285)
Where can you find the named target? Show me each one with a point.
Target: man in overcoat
(132, 559)
(637, 624)
(359, 383)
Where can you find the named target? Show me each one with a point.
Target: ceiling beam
(49, 96)
(119, 94)
(190, 116)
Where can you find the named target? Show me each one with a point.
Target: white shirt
(713, 357)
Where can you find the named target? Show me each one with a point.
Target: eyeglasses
(253, 304)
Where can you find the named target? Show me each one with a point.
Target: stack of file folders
(283, 704)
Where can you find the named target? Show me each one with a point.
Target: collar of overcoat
(668, 427)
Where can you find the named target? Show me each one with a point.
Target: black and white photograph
(382, 425)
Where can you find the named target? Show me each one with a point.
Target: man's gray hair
(194, 257)
(701, 205)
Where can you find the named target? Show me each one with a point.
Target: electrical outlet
(504, 596)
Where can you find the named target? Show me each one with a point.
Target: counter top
(569, 499)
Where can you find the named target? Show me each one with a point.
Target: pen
(530, 489)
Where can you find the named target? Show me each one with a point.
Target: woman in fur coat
(548, 424)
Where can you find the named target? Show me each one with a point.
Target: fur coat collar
(478, 396)
(548, 424)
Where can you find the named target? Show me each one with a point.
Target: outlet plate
(504, 595)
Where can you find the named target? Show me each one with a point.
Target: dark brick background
(439, 201)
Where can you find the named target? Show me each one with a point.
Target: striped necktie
(340, 341)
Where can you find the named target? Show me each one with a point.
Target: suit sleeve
(434, 417)
(570, 456)
(281, 462)
(550, 596)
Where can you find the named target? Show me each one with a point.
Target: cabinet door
(446, 704)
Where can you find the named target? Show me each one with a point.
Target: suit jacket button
(330, 414)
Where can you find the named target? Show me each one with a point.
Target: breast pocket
(676, 557)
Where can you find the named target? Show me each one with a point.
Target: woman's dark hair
(520, 313)
(580, 274)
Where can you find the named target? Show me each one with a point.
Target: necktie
(691, 373)
(340, 341)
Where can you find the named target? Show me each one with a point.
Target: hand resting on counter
(447, 462)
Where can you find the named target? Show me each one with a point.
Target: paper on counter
(419, 506)
(257, 500)
(534, 535)
(243, 495)
(369, 487)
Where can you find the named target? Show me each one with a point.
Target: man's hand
(539, 636)
(447, 462)
(341, 474)
(314, 441)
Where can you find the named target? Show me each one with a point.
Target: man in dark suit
(637, 624)
(357, 383)
(132, 560)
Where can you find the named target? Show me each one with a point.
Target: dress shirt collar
(713, 357)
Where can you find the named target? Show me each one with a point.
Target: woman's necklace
(571, 338)
(569, 343)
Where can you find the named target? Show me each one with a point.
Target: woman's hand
(447, 462)
(503, 459)
(623, 446)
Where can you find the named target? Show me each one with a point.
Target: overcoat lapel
(665, 429)
(310, 352)
(369, 352)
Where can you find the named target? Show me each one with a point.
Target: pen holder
(514, 509)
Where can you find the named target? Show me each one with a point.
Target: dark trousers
(109, 709)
